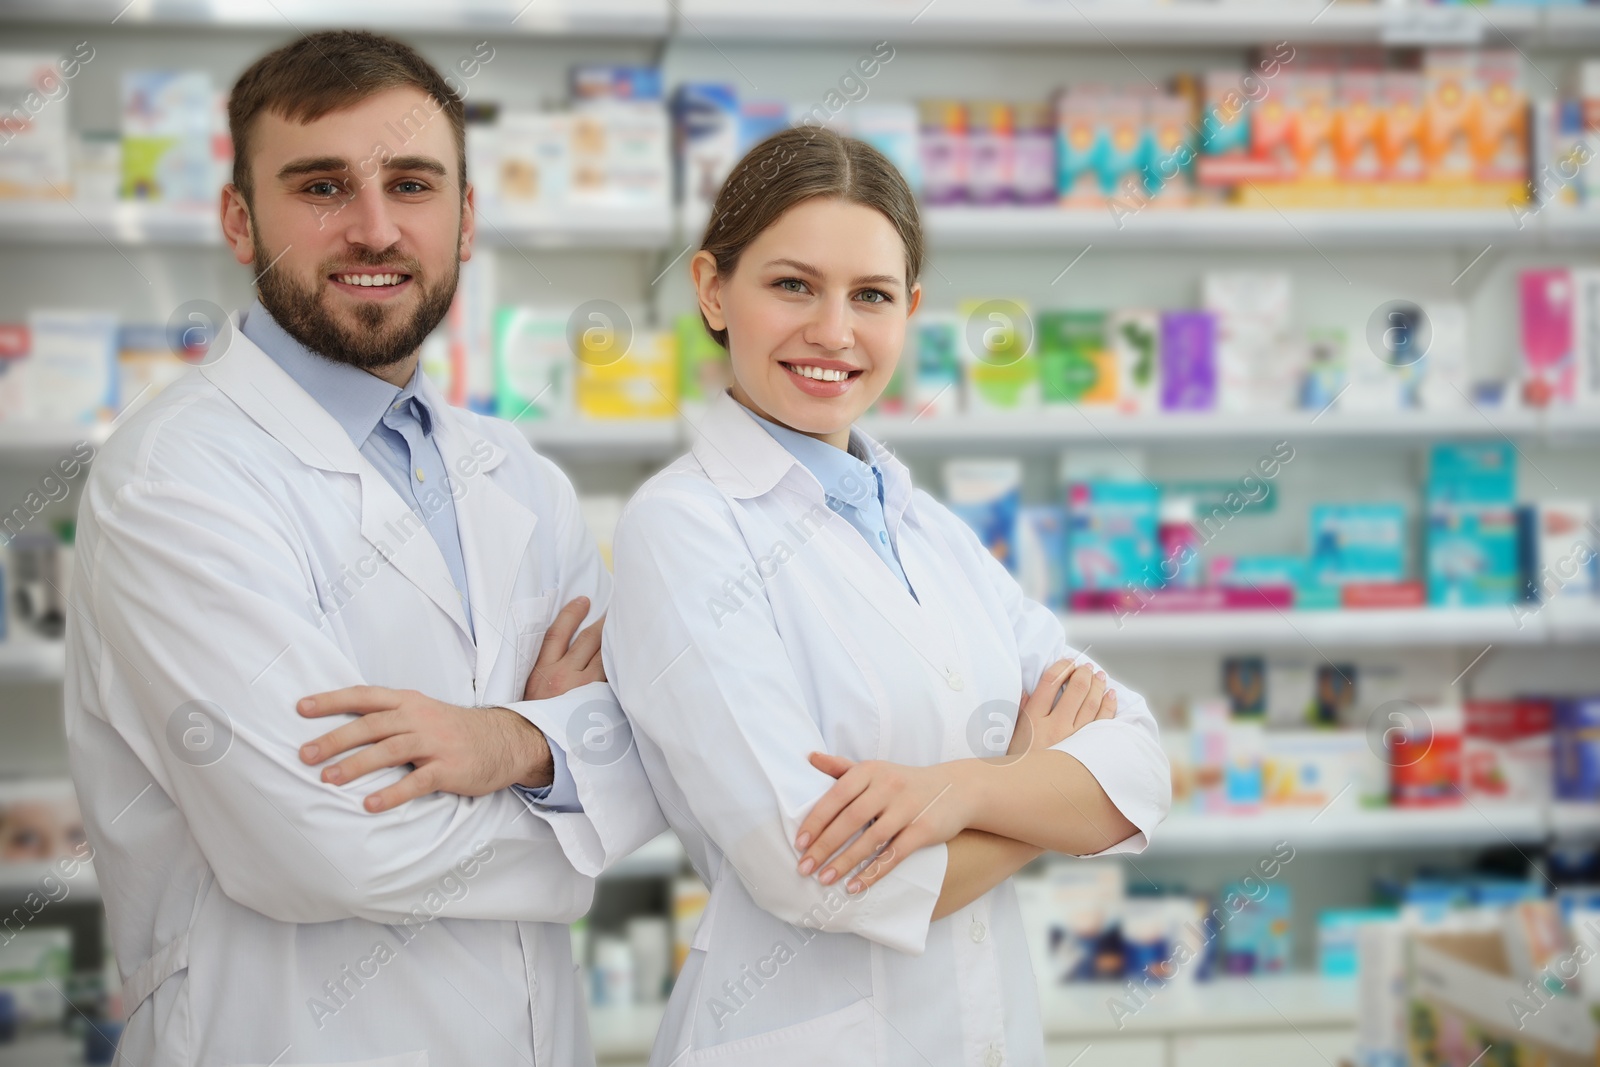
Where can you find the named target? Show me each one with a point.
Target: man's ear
(237, 224)
(469, 220)
(708, 287)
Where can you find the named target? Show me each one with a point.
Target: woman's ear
(708, 287)
(915, 300)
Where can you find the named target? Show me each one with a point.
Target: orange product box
(1313, 131)
(1400, 126)
(1500, 145)
(1357, 126)
(1272, 127)
(1450, 114)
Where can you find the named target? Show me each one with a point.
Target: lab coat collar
(265, 392)
(743, 460)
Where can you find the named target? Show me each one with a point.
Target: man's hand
(467, 751)
(566, 662)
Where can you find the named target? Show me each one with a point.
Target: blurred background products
(1259, 341)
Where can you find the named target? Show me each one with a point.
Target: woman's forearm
(1046, 799)
(979, 861)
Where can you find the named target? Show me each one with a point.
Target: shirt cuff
(562, 792)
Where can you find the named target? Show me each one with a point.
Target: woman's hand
(1045, 719)
(565, 661)
(907, 808)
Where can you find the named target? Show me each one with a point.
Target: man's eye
(323, 188)
(410, 186)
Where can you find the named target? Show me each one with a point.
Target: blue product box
(1357, 543)
(1472, 473)
(1112, 534)
(1336, 938)
(1042, 554)
(987, 496)
(1472, 555)
(1576, 738)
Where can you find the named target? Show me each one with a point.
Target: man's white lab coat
(235, 553)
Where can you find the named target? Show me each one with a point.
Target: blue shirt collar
(843, 476)
(356, 399)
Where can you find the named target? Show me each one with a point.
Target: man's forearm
(528, 750)
(979, 861)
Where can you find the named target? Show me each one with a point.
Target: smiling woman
(822, 667)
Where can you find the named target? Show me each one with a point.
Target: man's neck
(397, 374)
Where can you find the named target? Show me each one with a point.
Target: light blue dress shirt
(852, 486)
(393, 429)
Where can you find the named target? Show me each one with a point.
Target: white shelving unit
(564, 18)
(1344, 628)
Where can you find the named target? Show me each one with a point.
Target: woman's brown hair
(800, 164)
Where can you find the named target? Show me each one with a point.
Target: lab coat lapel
(745, 462)
(495, 527)
(275, 401)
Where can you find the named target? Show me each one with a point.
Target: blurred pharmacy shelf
(1346, 827)
(573, 18)
(1097, 23)
(30, 662)
(131, 224)
(17, 880)
(1071, 424)
(1206, 228)
(1528, 624)
(662, 439)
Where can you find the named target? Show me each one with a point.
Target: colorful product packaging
(1357, 543)
(1576, 737)
(708, 130)
(1002, 374)
(1549, 371)
(1134, 336)
(1076, 366)
(1188, 361)
(1425, 760)
(986, 494)
(1476, 473)
(991, 152)
(1112, 533)
(1507, 750)
(1450, 114)
(1042, 554)
(1401, 127)
(641, 384)
(71, 371)
(167, 119)
(944, 151)
(1357, 138)
(532, 364)
(1473, 557)
(936, 355)
(1033, 175)
(1079, 145)
(1500, 135)
(703, 369)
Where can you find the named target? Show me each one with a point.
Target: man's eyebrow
(810, 271)
(312, 165)
(426, 164)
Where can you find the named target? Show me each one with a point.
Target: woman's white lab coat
(236, 553)
(750, 626)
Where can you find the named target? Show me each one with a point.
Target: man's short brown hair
(335, 69)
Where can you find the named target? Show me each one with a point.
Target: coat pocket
(842, 1038)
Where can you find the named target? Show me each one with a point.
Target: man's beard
(383, 335)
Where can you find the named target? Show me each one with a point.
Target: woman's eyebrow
(808, 269)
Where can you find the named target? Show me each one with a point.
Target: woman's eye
(791, 285)
(876, 296)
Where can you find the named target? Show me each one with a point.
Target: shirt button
(883, 537)
(979, 931)
(420, 476)
(955, 680)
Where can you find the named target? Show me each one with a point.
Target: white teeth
(371, 279)
(819, 374)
